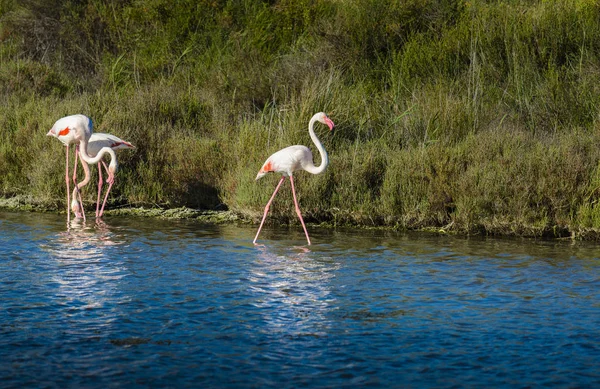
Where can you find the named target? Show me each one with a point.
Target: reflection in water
(86, 273)
(292, 290)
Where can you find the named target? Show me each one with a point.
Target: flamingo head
(322, 117)
(112, 170)
(76, 208)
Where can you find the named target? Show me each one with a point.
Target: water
(149, 303)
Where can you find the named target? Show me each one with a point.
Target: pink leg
(75, 181)
(110, 180)
(100, 182)
(68, 189)
(267, 208)
(298, 209)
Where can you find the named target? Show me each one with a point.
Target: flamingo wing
(98, 140)
(286, 161)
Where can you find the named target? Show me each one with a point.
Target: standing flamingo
(97, 142)
(79, 128)
(292, 158)
(62, 130)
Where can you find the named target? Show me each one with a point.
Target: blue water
(149, 303)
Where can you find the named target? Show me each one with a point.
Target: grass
(474, 117)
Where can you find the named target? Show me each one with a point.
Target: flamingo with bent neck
(79, 128)
(293, 158)
(96, 143)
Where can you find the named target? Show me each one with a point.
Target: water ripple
(148, 303)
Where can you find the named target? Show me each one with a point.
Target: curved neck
(324, 158)
(86, 180)
(92, 161)
(75, 203)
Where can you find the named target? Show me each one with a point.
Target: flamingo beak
(330, 124)
(50, 133)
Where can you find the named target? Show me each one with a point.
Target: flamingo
(293, 158)
(64, 133)
(79, 128)
(97, 142)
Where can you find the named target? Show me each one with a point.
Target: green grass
(475, 117)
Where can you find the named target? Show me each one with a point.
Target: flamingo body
(97, 142)
(100, 140)
(64, 129)
(286, 161)
(290, 159)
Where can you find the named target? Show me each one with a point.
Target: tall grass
(470, 116)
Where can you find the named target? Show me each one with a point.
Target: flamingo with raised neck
(290, 159)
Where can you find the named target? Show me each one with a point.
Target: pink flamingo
(62, 130)
(96, 143)
(79, 128)
(292, 158)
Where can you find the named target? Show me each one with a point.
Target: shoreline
(29, 204)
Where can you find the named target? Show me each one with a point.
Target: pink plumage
(293, 158)
(91, 147)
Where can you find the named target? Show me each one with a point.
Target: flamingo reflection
(292, 288)
(85, 273)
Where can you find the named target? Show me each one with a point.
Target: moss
(212, 217)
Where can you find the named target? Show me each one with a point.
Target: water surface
(151, 303)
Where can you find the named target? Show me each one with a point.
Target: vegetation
(470, 116)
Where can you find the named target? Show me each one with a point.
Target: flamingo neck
(92, 161)
(311, 168)
(86, 180)
(75, 207)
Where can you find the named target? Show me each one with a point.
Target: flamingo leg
(68, 190)
(267, 208)
(75, 181)
(298, 209)
(100, 182)
(110, 180)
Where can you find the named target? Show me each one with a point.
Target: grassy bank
(474, 117)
